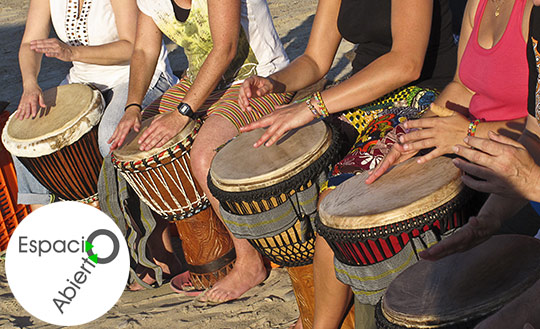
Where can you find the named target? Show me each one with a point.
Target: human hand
(396, 155)
(164, 127)
(476, 231)
(30, 103)
(53, 48)
(503, 166)
(254, 86)
(130, 120)
(283, 119)
(442, 133)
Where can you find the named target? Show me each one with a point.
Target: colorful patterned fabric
(221, 102)
(373, 122)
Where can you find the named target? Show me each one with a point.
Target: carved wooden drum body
(162, 179)
(59, 147)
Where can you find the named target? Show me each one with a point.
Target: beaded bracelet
(312, 109)
(133, 104)
(321, 104)
(472, 127)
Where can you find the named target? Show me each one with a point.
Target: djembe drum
(269, 196)
(377, 230)
(459, 291)
(162, 179)
(59, 147)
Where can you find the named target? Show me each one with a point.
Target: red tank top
(498, 76)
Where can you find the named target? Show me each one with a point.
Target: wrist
(74, 53)
(133, 106)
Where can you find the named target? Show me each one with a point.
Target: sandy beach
(269, 305)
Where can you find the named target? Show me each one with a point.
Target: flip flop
(182, 285)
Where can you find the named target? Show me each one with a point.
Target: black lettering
(80, 277)
(86, 260)
(21, 244)
(59, 303)
(66, 290)
(69, 246)
(33, 247)
(62, 243)
(41, 242)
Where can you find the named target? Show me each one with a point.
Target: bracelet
(133, 104)
(321, 104)
(472, 127)
(312, 109)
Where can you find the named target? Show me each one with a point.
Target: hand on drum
(283, 119)
(53, 48)
(442, 133)
(503, 166)
(254, 86)
(396, 156)
(31, 102)
(476, 231)
(164, 127)
(130, 120)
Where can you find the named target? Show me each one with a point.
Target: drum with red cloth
(377, 230)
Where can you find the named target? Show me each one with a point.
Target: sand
(269, 305)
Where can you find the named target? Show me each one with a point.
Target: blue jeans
(30, 189)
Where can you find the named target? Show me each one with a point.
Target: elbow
(411, 70)
(226, 52)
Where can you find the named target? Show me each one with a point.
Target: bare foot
(244, 276)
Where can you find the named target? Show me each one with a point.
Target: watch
(186, 110)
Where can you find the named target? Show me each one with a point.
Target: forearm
(500, 208)
(114, 53)
(454, 93)
(300, 73)
(389, 72)
(143, 65)
(210, 74)
(30, 64)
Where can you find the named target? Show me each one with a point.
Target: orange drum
(462, 289)
(162, 179)
(59, 147)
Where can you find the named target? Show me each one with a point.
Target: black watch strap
(185, 109)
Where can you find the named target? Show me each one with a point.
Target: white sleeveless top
(95, 26)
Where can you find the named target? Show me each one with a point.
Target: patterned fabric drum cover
(162, 179)
(459, 291)
(377, 230)
(269, 194)
(59, 147)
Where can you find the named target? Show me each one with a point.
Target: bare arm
(411, 26)
(117, 52)
(224, 18)
(143, 64)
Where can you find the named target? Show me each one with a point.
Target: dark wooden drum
(162, 179)
(377, 230)
(59, 147)
(459, 291)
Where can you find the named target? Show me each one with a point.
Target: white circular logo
(67, 263)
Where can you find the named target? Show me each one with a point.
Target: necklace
(498, 5)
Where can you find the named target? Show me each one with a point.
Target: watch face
(185, 109)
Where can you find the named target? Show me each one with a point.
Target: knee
(201, 160)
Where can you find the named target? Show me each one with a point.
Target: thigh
(215, 131)
(116, 100)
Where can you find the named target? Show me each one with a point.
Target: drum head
(465, 285)
(408, 190)
(130, 151)
(72, 110)
(238, 166)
